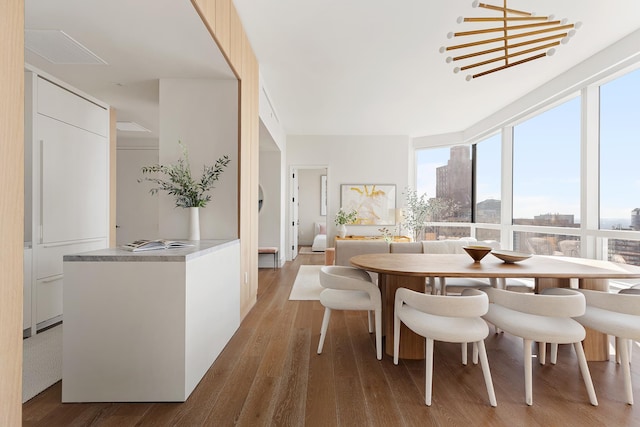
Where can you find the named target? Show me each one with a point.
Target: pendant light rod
(511, 55)
(515, 36)
(497, 29)
(501, 9)
(513, 64)
(501, 48)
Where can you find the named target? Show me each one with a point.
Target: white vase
(342, 230)
(194, 223)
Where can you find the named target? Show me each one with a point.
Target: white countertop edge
(200, 248)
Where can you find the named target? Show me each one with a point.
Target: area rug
(306, 250)
(42, 362)
(307, 284)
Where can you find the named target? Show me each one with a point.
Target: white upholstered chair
(453, 319)
(541, 318)
(349, 288)
(617, 315)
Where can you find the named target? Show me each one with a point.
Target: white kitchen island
(146, 326)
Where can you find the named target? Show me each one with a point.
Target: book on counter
(152, 245)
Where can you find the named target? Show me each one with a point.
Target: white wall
(203, 114)
(269, 220)
(309, 208)
(353, 160)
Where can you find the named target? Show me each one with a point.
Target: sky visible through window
(547, 159)
(619, 149)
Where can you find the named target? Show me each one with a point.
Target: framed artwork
(323, 195)
(375, 203)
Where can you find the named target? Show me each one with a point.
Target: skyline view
(546, 177)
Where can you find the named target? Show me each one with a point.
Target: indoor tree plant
(343, 218)
(179, 182)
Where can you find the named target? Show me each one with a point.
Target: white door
(294, 214)
(136, 210)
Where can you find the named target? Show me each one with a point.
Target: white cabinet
(26, 290)
(67, 187)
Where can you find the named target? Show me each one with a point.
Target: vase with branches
(416, 213)
(343, 218)
(177, 180)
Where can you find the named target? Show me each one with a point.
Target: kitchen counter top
(199, 248)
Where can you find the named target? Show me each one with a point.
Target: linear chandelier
(518, 37)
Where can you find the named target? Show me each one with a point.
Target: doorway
(308, 209)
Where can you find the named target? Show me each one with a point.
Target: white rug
(307, 284)
(306, 250)
(42, 362)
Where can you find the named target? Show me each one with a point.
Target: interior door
(294, 214)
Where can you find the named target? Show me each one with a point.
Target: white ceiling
(373, 67)
(331, 67)
(141, 41)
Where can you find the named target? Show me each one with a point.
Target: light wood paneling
(11, 208)
(223, 22)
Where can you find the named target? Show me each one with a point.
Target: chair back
(627, 302)
(553, 302)
(344, 278)
(472, 303)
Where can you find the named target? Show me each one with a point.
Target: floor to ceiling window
(444, 174)
(488, 204)
(619, 154)
(541, 159)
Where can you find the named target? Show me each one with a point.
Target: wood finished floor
(269, 374)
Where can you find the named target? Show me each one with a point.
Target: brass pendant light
(521, 38)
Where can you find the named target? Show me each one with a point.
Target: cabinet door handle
(52, 279)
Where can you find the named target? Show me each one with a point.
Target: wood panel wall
(11, 208)
(223, 22)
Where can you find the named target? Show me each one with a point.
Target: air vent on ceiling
(59, 48)
(131, 127)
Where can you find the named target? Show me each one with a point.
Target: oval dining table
(413, 270)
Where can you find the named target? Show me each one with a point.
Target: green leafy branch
(180, 183)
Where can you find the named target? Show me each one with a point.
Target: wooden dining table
(412, 270)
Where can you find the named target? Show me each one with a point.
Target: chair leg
(396, 338)
(323, 330)
(428, 371)
(542, 352)
(554, 353)
(369, 317)
(626, 369)
(378, 319)
(527, 372)
(464, 353)
(480, 348)
(474, 355)
(584, 370)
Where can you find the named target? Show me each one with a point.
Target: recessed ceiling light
(58, 47)
(131, 127)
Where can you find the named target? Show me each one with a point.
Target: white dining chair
(454, 319)
(349, 288)
(542, 318)
(617, 315)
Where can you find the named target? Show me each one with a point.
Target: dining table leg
(411, 344)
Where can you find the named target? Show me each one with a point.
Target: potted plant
(179, 182)
(416, 213)
(343, 218)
